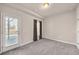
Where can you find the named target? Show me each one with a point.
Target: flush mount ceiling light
(46, 5)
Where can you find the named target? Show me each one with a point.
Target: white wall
(77, 12)
(61, 27)
(25, 26)
(0, 31)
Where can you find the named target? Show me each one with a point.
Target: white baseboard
(17, 46)
(77, 45)
(26, 43)
(65, 42)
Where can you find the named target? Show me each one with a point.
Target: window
(11, 31)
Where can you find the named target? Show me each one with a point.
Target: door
(10, 33)
(37, 30)
(40, 29)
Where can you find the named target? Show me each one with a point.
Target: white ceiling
(54, 8)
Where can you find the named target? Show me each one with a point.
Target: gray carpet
(45, 47)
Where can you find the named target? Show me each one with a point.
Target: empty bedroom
(39, 29)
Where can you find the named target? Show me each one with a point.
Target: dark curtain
(35, 31)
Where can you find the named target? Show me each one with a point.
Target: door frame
(4, 49)
(35, 37)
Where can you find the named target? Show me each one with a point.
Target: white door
(10, 33)
(38, 29)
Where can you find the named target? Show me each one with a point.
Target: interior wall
(25, 25)
(0, 32)
(61, 27)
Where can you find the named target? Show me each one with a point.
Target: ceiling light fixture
(45, 5)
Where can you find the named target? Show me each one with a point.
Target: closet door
(35, 31)
(40, 29)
